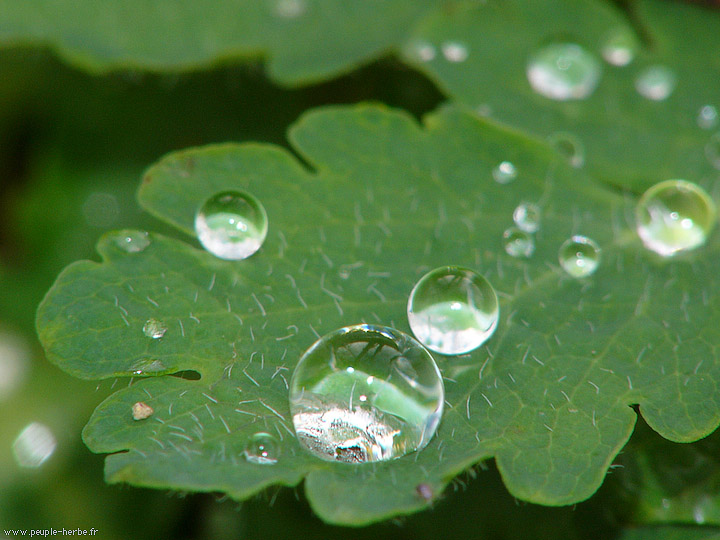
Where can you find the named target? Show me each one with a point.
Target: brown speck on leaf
(141, 411)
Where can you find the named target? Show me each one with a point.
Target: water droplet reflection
(35, 444)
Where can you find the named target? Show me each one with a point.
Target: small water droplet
(518, 243)
(262, 449)
(132, 241)
(231, 225)
(563, 71)
(527, 217)
(148, 367)
(656, 82)
(579, 256)
(35, 444)
(569, 146)
(504, 173)
(421, 50)
(712, 150)
(453, 310)
(141, 411)
(707, 117)
(154, 329)
(674, 216)
(620, 47)
(365, 393)
(290, 9)
(454, 51)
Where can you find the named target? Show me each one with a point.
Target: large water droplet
(231, 225)
(132, 241)
(707, 117)
(518, 243)
(454, 51)
(620, 47)
(527, 217)
(365, 393)
(570, 147)
(504, 173)
(656, 82)
(579, 256)
(674, 216)
(712, 150)
(154, 329)
(563, 71)
(453, 310)
(35, 444)
(263, 449)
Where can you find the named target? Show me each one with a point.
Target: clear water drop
(154, 329)
(527, 217)
(290, 9)
(656, 82)
(262, 449)
(453, 310)
(365, 393)
(563, 71)
(148, 366)
(712, 150)
(231, 225)
(674, 216)
(620, 47)
(504, 173)
(707, 117)
(518, 243)
(132, 241)
(569, 146)
(35, 444)
(454, 51)
(579, 256)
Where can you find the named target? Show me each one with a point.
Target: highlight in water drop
(231, 225)
(453, 310)
(569, 146)
(674, 216)
(707, 117)
(527, 217)
(365, 393)
(579, 256)
(132, 241)
(620, 47)
(656, 82)
(154, 329)
(504, 173)
(563, 71)
(454, 51)
(518, 243)
(262, 449)
(35, 444)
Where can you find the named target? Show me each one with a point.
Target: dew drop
(674, 216)
(563, 71)
(569, 146)
(154, 329)
(453, 310)
(132, 241)
(656, 82)
(579, 256)
(365, 393)
(290, 9)
(262, 449)
(35, 444)
(454, 51)
(141, 411)
(518, 243)
(707, 117)
(504, 173)
(712, 150)
(231, 225)
(620, 47)
(527, 217)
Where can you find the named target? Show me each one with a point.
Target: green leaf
(629, 140)
(304, 39)
(670, 533)
(386, 200)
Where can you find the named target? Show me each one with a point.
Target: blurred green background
(72, 150)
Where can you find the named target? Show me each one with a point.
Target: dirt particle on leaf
(141, 411)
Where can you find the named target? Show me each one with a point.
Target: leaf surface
(385, 201)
